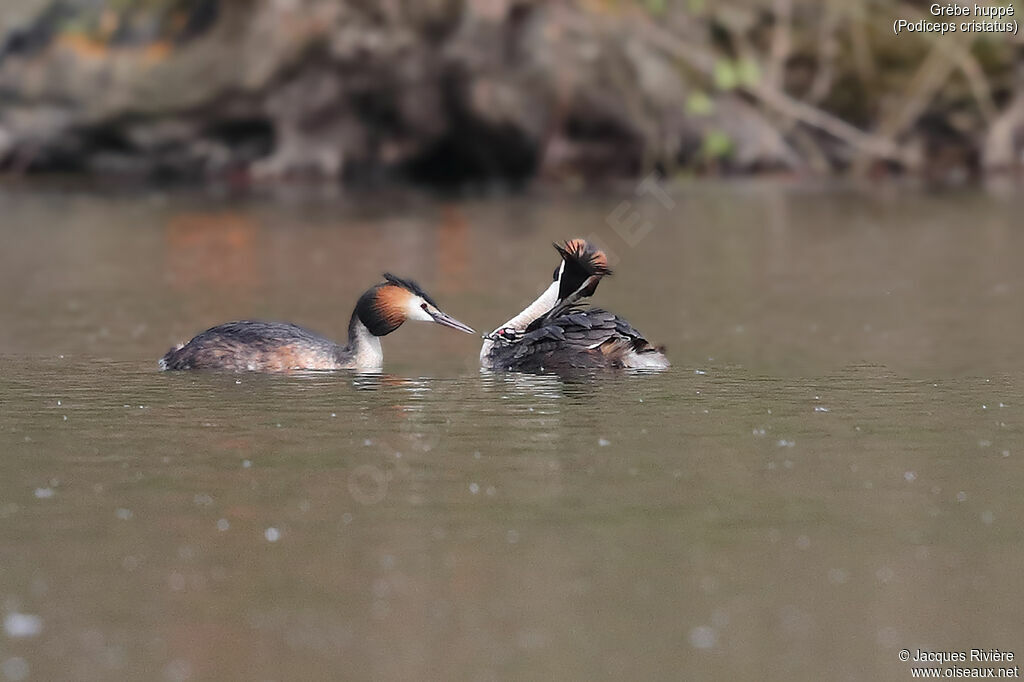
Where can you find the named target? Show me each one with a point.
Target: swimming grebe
(552, 333)
(281, 347)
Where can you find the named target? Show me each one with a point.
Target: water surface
(828, 474)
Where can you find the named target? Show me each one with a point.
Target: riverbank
(450, 92)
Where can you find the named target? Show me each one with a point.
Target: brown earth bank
(464, 91)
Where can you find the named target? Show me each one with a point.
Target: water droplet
(44, 493)
(123, 514)
(178, 670)
(603, 442)
(176, 581)
(703, 637)
(887, 636)
(272, 534)
(961, 496)
(910, 476)
(15, 669)
(22, 624)
(223, 525)
(838, 576)
(474, 488)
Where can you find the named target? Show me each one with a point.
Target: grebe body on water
(554, 334)
(282, 347)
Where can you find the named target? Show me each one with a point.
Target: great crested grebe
(281, 347)
(553, 333)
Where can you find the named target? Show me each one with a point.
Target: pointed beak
(449, 321)
(572, 298)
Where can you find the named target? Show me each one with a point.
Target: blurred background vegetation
(476, 91)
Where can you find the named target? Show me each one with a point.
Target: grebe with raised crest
(282, 347)
(553, 333)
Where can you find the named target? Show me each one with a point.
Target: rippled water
(829, 473)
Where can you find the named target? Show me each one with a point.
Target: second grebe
(282, 347)
(552, 333)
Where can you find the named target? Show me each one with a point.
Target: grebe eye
(423, 305)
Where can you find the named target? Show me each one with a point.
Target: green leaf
(725, 75)
(748, 72)
(717, 144)
(699, 104)
(656, 7)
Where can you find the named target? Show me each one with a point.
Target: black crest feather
(582, 260)
(583, 255)
(410, 285)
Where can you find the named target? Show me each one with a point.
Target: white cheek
(413, 311)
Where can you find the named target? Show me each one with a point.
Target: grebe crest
(581, 261)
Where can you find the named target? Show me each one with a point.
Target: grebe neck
(545, 302)
(363, 350)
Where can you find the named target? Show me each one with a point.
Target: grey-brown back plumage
(247, 345)
(579, 339)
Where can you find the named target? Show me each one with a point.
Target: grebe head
(384, 307)
(582, 267)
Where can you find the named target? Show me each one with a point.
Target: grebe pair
(552, 333)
